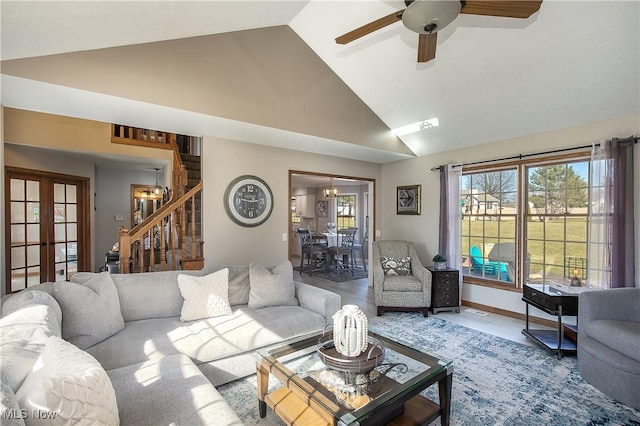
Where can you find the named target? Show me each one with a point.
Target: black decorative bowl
(372, 357)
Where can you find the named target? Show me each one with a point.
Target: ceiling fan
(427, 17)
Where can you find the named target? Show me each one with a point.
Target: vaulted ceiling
(270, 71)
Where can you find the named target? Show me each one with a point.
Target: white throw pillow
(205, 297)
(67, 386)
(271, 287)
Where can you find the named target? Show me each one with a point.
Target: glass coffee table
(317, 388)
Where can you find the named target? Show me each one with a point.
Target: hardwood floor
(358, 292)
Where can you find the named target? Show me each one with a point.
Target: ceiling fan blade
(370, 27)
(427, 47)
(508, 9)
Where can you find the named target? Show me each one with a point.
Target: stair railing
(180, 178)
(164, 230)
(138, 136)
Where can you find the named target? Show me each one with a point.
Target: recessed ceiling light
(416, 127)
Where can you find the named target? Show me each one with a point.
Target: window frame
(355, 210)
(521, 166)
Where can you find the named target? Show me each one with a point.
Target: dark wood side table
(445, 290)
(555, 302)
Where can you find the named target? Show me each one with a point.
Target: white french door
(47, 218)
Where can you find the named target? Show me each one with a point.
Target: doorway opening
(325, 203)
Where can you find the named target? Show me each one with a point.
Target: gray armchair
(400, 292)
(609, 342)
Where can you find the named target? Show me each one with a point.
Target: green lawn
(548, 243)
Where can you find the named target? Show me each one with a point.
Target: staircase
(193, 166)
(170, 238)
(193, 243)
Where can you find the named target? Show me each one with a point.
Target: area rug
(332, 275)
(496, 381)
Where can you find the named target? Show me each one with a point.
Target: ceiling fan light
(421, 15)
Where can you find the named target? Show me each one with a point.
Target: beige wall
(423, 229)
(222, 161)
(69, 134)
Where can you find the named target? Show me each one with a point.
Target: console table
(554, 302)
(445, 290)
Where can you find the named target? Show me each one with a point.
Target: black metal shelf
(549, 339)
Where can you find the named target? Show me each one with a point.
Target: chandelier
(330, 192)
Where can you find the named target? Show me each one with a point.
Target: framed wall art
(409, 199)
(322, 208)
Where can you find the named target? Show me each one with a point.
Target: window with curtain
(526, 222)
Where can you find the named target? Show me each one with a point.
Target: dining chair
(316, 254)
(362, 249)
(343, 252)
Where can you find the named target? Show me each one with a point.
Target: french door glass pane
(59, 213)
(60, 252)
(33, 190)
(59, 192)
(59, 232)
(18, 279)
(17, 189)
(33, 255)
(17, 234)
(33, 276)
(33, 234)
(33, 212)
(17, 212)
(18, 259)
(71, 194)
(72, 215)
(61, 271)
(72, 234)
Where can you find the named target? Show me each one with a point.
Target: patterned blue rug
(496, 381)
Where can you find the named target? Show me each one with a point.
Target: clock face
(248, 201)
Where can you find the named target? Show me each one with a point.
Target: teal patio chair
(479, 263)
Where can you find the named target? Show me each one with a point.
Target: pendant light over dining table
(330, 192)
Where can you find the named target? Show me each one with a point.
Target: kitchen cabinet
(305, 205)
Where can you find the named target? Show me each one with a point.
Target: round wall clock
(248, 200)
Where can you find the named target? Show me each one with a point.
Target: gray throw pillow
(32, 297)
(396, 265)
(90, 311)
(271, 287)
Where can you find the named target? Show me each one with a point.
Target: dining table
(332, 238)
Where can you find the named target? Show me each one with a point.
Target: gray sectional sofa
(609, 342)
(162, 370)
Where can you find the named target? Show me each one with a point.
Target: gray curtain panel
(623, 266)
(444, 217)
